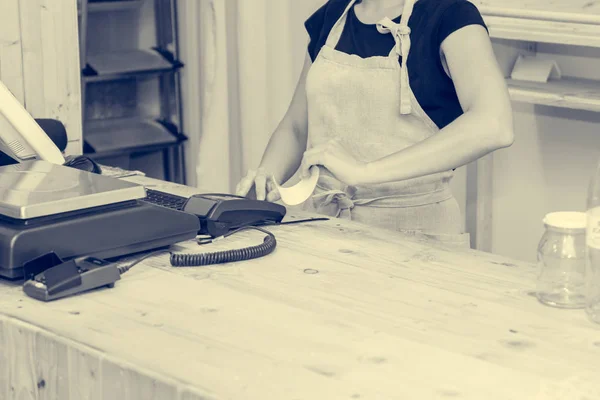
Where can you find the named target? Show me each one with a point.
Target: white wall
(300, 11)
(265, 59)
(549, 166)
(547, 169)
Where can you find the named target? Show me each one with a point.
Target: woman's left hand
(337, 160)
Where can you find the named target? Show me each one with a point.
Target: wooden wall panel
(39, 61)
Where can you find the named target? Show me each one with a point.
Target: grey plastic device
(220, 213)
(71, 278)
(107, 232)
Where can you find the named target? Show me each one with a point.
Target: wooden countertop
(338, 311)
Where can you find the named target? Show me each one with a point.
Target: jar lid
(566, 220)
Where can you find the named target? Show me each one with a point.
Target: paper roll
(300, 192)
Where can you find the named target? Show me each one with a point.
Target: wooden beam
(480, 203)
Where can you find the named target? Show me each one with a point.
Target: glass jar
(592, 276)
(562, 260)
(593, 248)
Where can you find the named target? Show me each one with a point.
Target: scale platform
(47, 208)
(38, 188)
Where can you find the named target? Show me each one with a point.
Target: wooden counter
(338, 311)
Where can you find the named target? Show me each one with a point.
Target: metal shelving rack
(111, 137)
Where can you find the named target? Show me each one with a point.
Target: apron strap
(330, 190)
(346, 201)
(401, 34)
(337, 29)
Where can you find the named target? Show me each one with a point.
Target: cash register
(47, 207)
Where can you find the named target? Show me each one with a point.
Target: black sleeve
(459, 15)
(314, 26)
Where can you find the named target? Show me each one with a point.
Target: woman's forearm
(468, 138)
(283, 154)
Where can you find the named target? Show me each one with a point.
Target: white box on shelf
(534, 69)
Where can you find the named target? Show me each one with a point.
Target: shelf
(581, 94)
(113, 136)
(126, 64)
(112, 5)
(570, 22)
(564, 22)
(574, 11)
(543, 31)
(122, 87)
(131, 150)
(128, 75)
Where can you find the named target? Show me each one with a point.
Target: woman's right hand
(263, 183)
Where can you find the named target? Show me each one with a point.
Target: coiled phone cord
(222, 257)
(225, 256)
(218, 257)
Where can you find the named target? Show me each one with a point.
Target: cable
(225, 256)
(296, 221)
(210, 239)
(124, 268)
(221, 257)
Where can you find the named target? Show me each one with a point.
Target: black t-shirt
(430, 23)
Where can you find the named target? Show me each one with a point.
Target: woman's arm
(486, 124)
(284, 151)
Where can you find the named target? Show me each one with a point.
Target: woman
(387, 109)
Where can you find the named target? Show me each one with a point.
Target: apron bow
(400, 32)
(335, 196)
(335, 192)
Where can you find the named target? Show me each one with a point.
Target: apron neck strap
(336, 32)
(401, 34)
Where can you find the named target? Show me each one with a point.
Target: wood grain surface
(339, 311)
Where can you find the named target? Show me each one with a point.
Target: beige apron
(367, 104)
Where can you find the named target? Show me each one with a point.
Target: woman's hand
(263, 184)
(337, 160)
